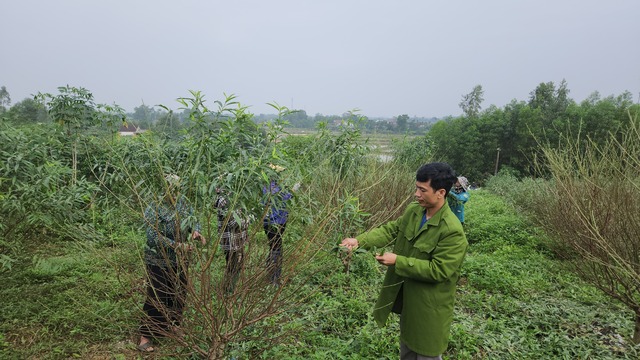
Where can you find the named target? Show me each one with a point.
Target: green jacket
(427, 269)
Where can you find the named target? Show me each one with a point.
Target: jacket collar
(418, 211)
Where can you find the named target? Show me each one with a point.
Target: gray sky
(386, 58)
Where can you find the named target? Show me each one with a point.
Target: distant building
(130, 130)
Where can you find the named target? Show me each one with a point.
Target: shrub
(591, 209)
(412, 153)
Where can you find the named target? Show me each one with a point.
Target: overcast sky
(386, 58)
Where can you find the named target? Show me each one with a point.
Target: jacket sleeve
(445, 262)
(379, 237)
(154, 237)
(462, 197)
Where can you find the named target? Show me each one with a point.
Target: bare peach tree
(592, 207)
(213, 318)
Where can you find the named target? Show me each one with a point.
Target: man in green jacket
(423, 267)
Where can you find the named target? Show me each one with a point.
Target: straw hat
(463, 182)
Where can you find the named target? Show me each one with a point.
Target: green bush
(38, 193)
(526, 194)
(412, 153)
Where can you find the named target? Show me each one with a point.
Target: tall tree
(5, 99)
(146, 116)
(75, 110)
(27, 111)
(471, 103)
(551, 102)
(401, 122)
(298, 119)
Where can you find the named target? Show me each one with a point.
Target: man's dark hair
(440, 174)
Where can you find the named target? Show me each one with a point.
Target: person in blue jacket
(458, 196)
(275, 223)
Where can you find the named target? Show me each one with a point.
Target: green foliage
(516, 301)
(401, 122)
(5, 99)
(412, 152)
(472, 102)
(146, 116)
(524, 194)
(493, 223)
(27, 111)
(350, 218)
(470, 143)
(345, 152)
(465, 144)
(35, 182)
(552, 102)
(297, 118)
(224, 149)
(5, 261)
(304, 151)
(73, 108)
(348, 149)
(513, 302)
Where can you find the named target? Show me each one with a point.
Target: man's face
(426, 196)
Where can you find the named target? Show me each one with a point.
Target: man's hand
(387, 258)
(196, 235)
(350, 243)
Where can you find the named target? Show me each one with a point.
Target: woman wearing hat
(458, 196)
(171, 229)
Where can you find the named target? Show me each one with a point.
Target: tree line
(482, 142)
(165, 120)
(478, 143)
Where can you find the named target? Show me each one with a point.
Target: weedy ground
(515, 301)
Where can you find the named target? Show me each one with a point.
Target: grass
(66, 300)
(517, 302)
(60, 300)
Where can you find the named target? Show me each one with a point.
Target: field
(73, 199)
(515, 301)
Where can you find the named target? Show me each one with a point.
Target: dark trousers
(234, 260)
(165, 299)
(274, 261)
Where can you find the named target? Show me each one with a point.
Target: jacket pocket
(426, 245)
